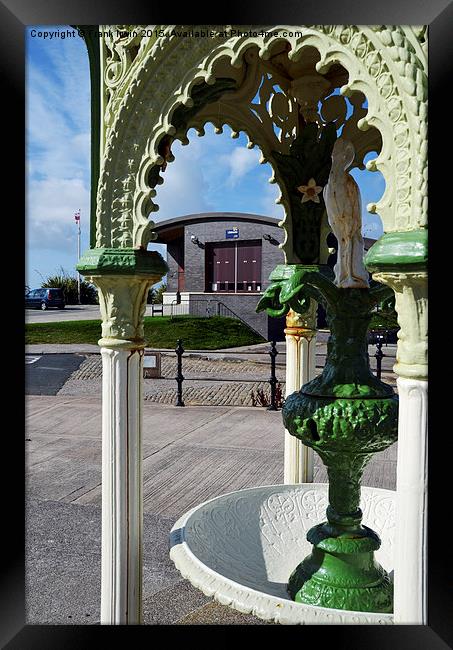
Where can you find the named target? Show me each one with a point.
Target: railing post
(273, 379)
(179, 376)
(379, 355)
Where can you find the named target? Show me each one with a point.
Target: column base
(341, 572)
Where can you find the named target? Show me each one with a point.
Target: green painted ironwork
(309, 157)
(399, 249)
(122, 261)
(282, 280)
(346, 415)
(90, 34)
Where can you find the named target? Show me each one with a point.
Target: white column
(410, 548)
(300, 368)
(122, 514)
(410, 557)
(122, 300)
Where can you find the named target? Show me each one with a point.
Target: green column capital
(122, 261)
(398, 251)
(123, 277)
(399, 260)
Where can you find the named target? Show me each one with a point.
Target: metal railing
(157, 308)
(273, 381)
(224, 310)
(198, 308)
(377, 338)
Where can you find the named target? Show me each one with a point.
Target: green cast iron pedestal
(346, 415)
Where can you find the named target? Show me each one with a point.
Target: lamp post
(77, 220)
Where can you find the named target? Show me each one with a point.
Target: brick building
(224, 259)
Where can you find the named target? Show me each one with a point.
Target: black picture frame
(15, 15)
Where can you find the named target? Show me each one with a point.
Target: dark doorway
(233, 266)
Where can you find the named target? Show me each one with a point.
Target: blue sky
(212, 173)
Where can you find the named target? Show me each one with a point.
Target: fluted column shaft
(300, 368)
(122, 300)
(122, 514)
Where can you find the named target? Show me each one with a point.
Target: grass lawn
(160, 332)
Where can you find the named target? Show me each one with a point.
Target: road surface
(70, 312)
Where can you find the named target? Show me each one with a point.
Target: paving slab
(189, 454)
(181, 477)
(63, 564)
(214, 614)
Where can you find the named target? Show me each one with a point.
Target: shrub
(158, 294)
(88, 292)
(385, 316)
(263, 399)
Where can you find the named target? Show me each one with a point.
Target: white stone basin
(241, 548)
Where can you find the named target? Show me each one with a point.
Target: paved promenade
(217, 444)
(189, 455)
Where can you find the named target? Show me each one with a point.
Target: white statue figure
(344, 212)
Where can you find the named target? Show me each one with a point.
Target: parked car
(45, 298)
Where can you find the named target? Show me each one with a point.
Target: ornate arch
(148, 79)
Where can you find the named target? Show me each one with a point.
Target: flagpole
(77, 219)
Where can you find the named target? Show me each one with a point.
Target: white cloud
(270, 194)
(51, 204)
(58, 151)
(239, 162)
(184, 189)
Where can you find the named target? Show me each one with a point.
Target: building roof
(170, 228)
(200, 217)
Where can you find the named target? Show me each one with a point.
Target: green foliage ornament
(345, 415)
(288, 291)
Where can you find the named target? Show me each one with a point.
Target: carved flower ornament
(310, 192)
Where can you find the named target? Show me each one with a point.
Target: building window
(233, 266)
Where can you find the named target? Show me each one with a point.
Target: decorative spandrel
(304, 172)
